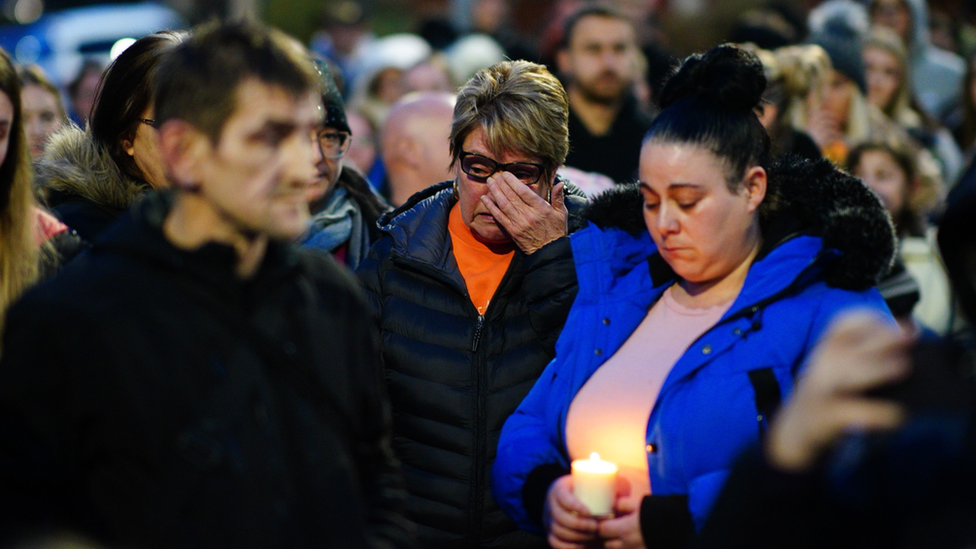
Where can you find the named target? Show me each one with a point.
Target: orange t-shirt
(481, 265)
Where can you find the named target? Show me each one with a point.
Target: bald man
(414, 141)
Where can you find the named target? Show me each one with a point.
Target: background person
(33, 243)
(597, 59)
(917, 288)
(90, 176)
(415, 143)
(344, 206)
(471, 283)
(699, 300)
(42, 108)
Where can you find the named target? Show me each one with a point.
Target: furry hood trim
(73, 163)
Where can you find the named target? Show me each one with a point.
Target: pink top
(46, 226)
(610, 412)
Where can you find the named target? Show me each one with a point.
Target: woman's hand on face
(528, 218)
(823, 128)
(858, 352)
(565, 518)
(623, 531)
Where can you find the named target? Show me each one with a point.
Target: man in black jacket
(194, 380)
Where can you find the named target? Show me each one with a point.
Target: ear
(183, 147)
(128, 146)
(755, 186)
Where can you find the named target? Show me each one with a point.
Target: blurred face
(599, 59)
(703, 230)
(42, 117)
(470, 190)
(327, 169)
(257, 175)
(6, 124)
(836, 98)
(895, 15)
(883, 75)
(362, 152)
(144, 150)
(882, 174)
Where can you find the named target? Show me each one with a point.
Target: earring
(456, 196)
(549, 198)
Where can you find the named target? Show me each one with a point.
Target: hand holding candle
(595, 484)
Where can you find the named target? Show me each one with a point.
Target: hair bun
(727, 76)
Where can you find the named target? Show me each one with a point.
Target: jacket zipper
(477, 333)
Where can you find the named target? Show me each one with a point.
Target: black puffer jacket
(454, 377)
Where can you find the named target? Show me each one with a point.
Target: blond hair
(520, 106)
(19, 251)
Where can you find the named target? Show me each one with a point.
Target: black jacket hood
(803, 197)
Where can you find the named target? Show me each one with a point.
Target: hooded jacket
(454, 376)
(84, 186)
(152, 398)
(826, 241)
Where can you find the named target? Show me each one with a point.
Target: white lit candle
(595, 484)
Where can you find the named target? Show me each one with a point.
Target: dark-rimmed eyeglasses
(480, 168)
(150, 122)
(332, 144)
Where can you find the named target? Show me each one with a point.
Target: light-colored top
(609, 414)
(482, 266)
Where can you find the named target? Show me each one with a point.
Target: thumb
(558, 198)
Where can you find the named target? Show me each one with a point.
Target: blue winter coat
(709, 407)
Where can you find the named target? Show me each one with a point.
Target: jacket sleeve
(369, 276)
(550, 287)
(382, 483)
(530, 455)
(837, 301)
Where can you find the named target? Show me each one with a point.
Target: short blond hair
(520, 106)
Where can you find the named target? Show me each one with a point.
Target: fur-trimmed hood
(75, 164)
(803, 198)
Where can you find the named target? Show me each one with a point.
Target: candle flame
(594, 457)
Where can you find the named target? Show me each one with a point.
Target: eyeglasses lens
(334, 144)
(480, 168)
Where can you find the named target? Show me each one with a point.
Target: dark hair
(124, 93)
(588, 10)
(87, 67)
(711, 102)
(198, 81)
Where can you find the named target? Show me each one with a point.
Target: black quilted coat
(454, 376)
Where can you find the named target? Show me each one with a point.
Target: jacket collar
(138, 234)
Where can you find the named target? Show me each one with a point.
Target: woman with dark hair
(90, 176)
(701, 292)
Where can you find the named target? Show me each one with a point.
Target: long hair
(19, 251)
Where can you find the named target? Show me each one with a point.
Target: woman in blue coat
(692, 323)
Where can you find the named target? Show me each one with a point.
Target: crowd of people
(384, 292)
